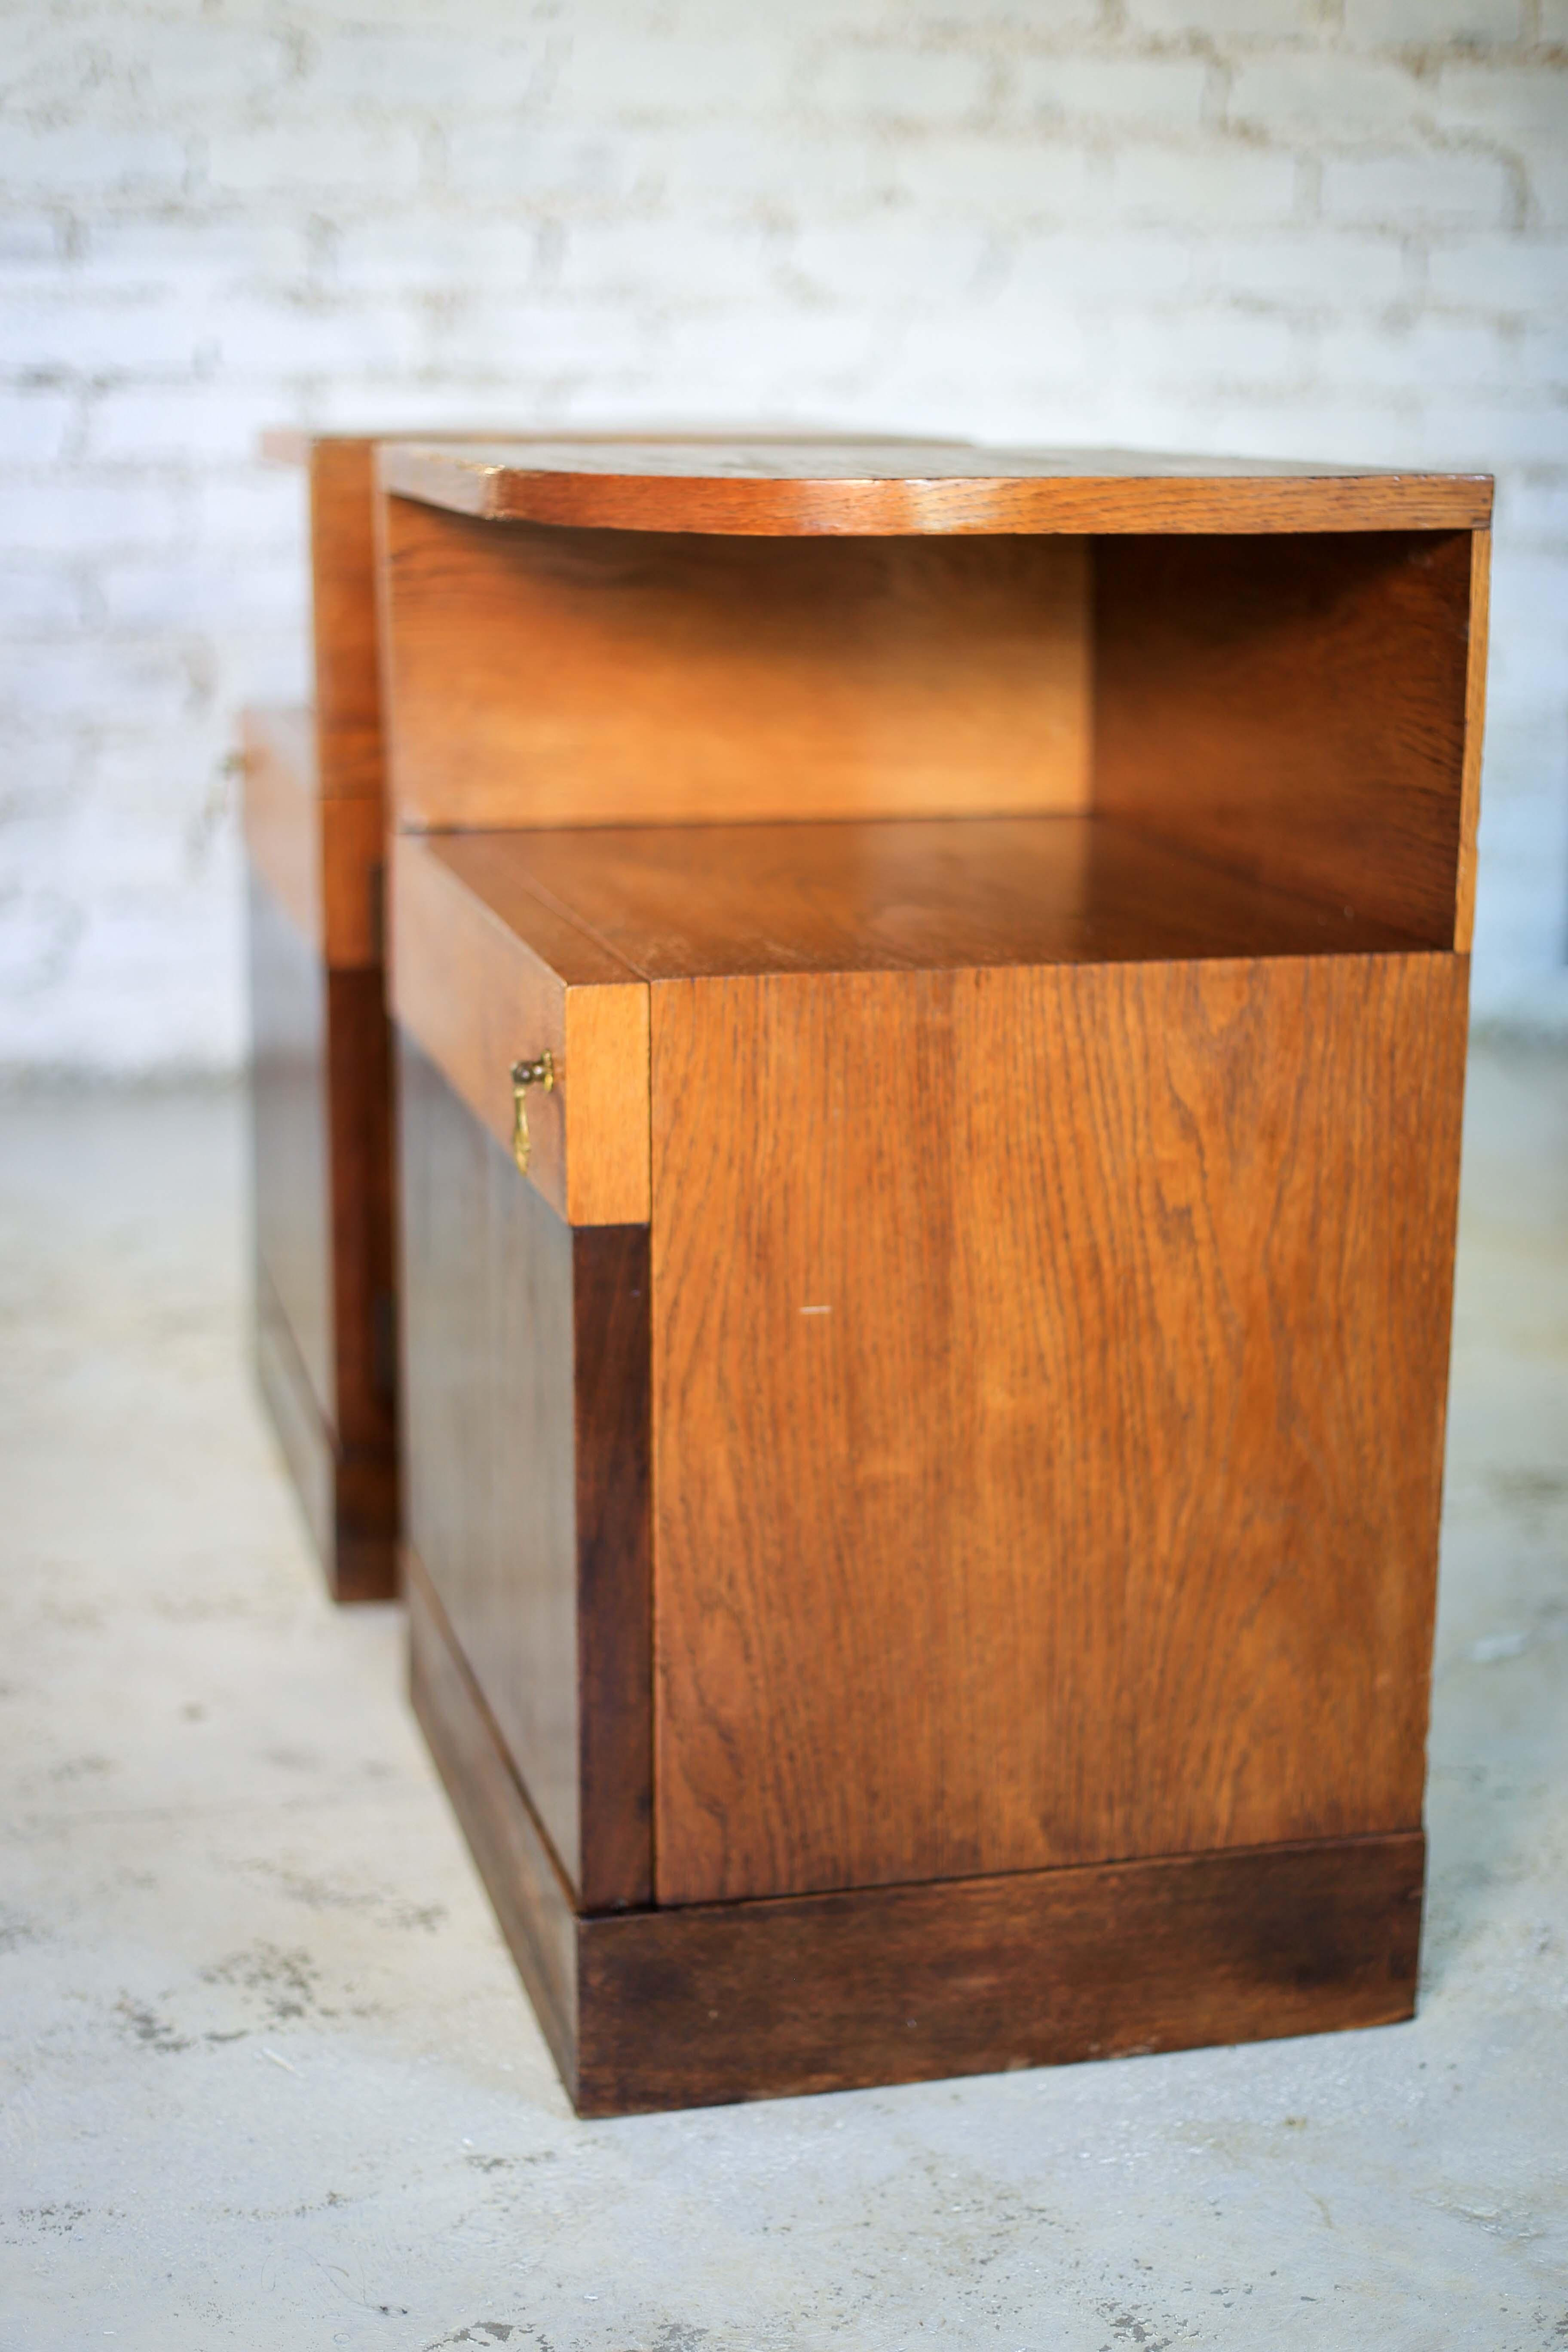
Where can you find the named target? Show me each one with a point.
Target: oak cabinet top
(773, 488)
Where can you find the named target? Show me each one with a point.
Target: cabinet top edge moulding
(300, 444)
(773, 488)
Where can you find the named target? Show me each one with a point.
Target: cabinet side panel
(752, 677)
(615, 1590)
(1295, 709)
(296, 1420)
(282, 814)
(343, 580)
(1475, 731)
(290, 1128)
(359, 1064)
(321, 854)
(1048, 1380)
(353, 855)
(489, 1456)
(534, 1907)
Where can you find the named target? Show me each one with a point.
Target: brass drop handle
(541, 1072)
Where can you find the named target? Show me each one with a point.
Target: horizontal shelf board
(675, 902)
(766, 488)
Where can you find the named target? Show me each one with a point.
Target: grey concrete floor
(273, 2082)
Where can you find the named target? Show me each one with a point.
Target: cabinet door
(1048, 1378)
(290, 1137)
(525, 1405)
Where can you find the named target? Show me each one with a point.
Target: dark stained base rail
(348, 1494)
(706, 2005)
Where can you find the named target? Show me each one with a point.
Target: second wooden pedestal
(321, 1080)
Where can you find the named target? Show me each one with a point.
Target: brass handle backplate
(540, 1072)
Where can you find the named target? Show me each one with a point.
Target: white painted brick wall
(1322, 228)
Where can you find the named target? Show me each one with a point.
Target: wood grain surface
(751, 679)
(340, 1284)
(526, 1365)
(295, 1413)
(359, 1127)
(280, 813)
(341, 490)
(1295, 710)
(1047, 1465)
(484, 973)
(344, 622)
(487, 1454)
(507, 944)
(291, 1145)
(754, 488)
(909, 1984)
(321, 855)
(695, 901)
(353, 855)
(1475, 732)
(321, 1110)
(347, 1493)
(612, 1305)
(532, 1905)
(340, 471)
(648, 2010)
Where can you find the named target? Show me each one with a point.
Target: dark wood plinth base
(349, 1495)
(708, 2003)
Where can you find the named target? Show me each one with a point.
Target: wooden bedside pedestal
(922, 1499)
(314, 827)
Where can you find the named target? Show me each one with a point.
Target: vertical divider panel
(526, 1453)
(1474, 733)
(1295, 709)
